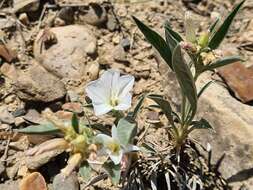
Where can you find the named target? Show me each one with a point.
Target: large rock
(35, 83)
(66, 58)
(233, 123)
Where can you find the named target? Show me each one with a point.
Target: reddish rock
(33, 181)
(73, 107)
(239, 79)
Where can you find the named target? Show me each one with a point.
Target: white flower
(110, 92)
(112, 146)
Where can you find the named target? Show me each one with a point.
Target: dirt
(44, 68)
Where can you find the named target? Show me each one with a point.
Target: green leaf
(172, 37)
(213, 27)
(47, 128)
(156, 40)
(137, 107)
(185, 79)
(164, 105)
(126, 130)
(75, 123)
(222, 31)
(113, 172)
(171, 41)
(204, 88)
(222, 62)
(173, 33)
(201, 124)
(85, 171)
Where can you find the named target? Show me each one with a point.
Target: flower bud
(204, 39)
(190, 27)
(188, 47)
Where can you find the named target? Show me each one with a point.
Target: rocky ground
(51, 49)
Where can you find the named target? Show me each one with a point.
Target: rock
(119, 54)
(73, 96)
(33, 181)
(73, 107)
(34, 117)
(96, 15)
(93, 71)
(67, 14)
(232, 121)
(10, 185)
(36, 84)
(9, 71)
(35, 162)
(239, 79)
(19, 112)
(6, 53)
(5, 115)
(61, 182)
(21, 144)
(24, 19)
(125, 43)
(112, 23)
(66, 58)
(7, 22)
(25, 5)
(5, 127)
(19, 121)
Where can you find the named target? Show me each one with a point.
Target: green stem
(118, 115)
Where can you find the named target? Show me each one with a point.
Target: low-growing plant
(90, 146)
(203, 56)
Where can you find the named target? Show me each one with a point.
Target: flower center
(114, 100)
(114, 147)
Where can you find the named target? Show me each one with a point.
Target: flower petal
(131, 148)
(114, 133)
(98, 92)
(125, 85)
(102, 108)
(124, 102)
(110, 79)
(102, 138)
(116, 157)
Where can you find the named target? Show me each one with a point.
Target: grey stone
(66, 58)
(5, 115)
(25, 5)
(36, 84)
(61, 182)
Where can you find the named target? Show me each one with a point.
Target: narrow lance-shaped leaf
(47, 128)
(185, 79)
(222, 62)
(156, 40)
(204, 88)
(173, 33)
(126, 130)
(171, 41)
(221, 32)
(201, 124)
(213, 27)
(164, 105)
(137, 107)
